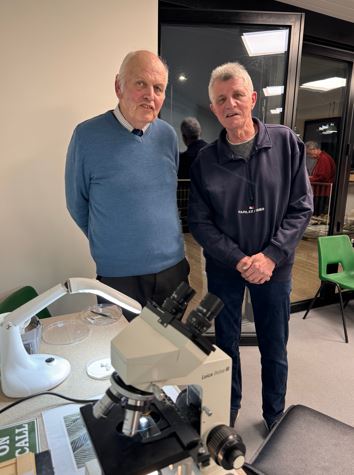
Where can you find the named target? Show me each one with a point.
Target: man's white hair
(121, 76)
(311, 144)
(229, 71)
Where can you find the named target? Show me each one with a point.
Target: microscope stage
(173, 440)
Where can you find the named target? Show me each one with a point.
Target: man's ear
(117, 87)
(212, 108)
(254, 98)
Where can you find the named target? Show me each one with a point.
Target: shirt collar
(120, 117)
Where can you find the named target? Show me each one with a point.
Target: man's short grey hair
(121, 76)
(312, 144)
(229, 71)
(190, 128)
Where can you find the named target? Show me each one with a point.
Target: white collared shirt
(120, 117)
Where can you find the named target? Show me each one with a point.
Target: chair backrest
(334, 250)
(305, 441)
(18, 298)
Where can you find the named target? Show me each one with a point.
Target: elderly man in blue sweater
(121, 179)
(250, 202)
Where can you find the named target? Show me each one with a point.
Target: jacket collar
(263, 140)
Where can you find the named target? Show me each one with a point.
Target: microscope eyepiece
(210, 306)
(201, 318)
(176, 304)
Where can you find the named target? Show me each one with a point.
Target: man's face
(313, 152)
(232, 103)
(142, 94)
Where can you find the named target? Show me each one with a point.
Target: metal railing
(322, 195)
(182, 202)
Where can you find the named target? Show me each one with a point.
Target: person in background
(191, 132)
(121, 180)
(321, 177)
(250, 202)
(310, 163)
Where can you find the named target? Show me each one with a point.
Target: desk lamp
(23, 374)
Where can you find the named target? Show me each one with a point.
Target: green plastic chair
(18, 298)
(335, 250)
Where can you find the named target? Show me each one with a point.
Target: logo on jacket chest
(250, 210)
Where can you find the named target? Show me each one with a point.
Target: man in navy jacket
(250, 203)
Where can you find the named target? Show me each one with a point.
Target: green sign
(18, 439)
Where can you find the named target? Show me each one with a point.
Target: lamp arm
(74, 285)
(82, 284)
(26, 311)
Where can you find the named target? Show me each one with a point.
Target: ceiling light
(265, 42)
(328, 129)
(324, 85)
(273, 90)
(182, 77)
(278, 110)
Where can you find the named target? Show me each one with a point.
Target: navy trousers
(271, 309)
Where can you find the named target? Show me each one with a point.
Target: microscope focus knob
(226, 447)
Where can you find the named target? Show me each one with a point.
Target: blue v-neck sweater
(121, 191)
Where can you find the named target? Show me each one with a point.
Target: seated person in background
(322, 175)
(191, 132)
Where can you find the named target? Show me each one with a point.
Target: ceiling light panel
(273, 91)
(261, 43)
(324, 85)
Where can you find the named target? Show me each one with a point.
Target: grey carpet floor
(321, 372)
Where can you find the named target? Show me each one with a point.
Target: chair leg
(313, 301)
(342, 309)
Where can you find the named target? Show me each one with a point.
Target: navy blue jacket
(240, 207)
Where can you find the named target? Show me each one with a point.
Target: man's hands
(256, 269)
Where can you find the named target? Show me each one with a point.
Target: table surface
(78, 384)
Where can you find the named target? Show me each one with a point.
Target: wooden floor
(197, 277)
(305, 272)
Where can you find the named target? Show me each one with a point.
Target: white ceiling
(343, 9)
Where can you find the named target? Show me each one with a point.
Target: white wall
(58, 63)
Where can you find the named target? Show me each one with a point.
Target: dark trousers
(156, 287)
(271, 309)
